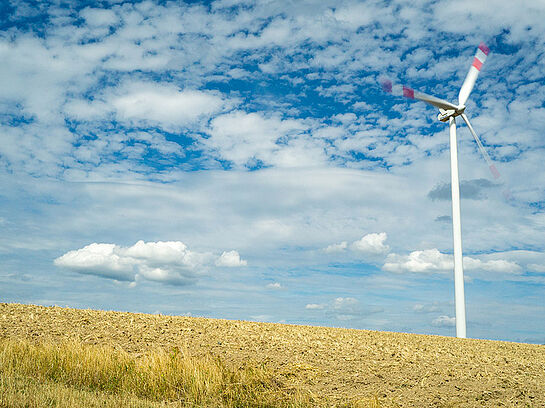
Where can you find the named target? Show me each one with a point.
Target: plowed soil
(404, 370)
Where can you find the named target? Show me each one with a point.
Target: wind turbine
(447, 113)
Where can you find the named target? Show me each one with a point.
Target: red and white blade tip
(473, 73)
(484, 48)
(386, 85)
(408, 92)
(480, 56)
(494, 171)
(398, 90)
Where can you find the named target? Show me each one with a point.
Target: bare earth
(400, 369)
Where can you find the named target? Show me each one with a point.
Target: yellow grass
(73, 374)
(237, 363)
(27, 392)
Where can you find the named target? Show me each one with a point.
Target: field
(279, 365)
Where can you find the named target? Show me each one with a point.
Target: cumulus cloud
(314, 306)
(247, 139)
(95, 17)
(432, 260)
(356, 15)
(336, 247)
(345, 303)
(231, 259)
(165, 104)
(372, 244)
(494, 265)
(169, 262)
(274, 285)
(140, 103)
(100, 259)
(444, 321)
(419, 261)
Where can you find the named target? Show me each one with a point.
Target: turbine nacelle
(445, 114)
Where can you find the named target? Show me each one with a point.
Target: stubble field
(333, 366)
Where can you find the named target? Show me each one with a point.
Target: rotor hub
(445, 114)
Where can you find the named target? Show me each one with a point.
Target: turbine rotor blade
(402, 90)
(432, 100)
(473, 73)
(491, 165)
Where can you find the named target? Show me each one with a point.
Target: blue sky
(237, 159)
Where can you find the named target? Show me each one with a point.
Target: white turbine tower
(447, 113)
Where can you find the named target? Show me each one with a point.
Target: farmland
(305, 365)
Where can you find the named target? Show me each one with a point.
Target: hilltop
(334, 364)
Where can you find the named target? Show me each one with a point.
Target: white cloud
(345, 308)
(99, 17)
(444, 321)
(143, 103)
(80, 109)
(165, 104)
(314, 306)
(419, 261)
(362, 106)
(169, 262)
(102, 259)
(159, 253)
(371, 244)
(428, 308)
(498, 265)
(540, 268)
(431, 260)
(356, 15)
(336, 247)
(343, 303)
(230, 259)
(274, 285)
(248, 138)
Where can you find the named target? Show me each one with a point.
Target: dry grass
(73, 374)
(26, 392)
(336, 367)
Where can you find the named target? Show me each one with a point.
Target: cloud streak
(345, 309)
(431, 260)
